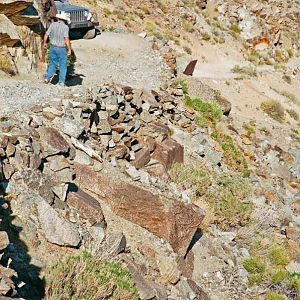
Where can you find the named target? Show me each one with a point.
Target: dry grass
(6, 64)
(224, 197)
(274, 109)
(84, 277)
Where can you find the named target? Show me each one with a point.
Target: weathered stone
(56, 229)
(58, 162)
(146, 288)
(142, 157)
(8, 171)
(52, 142)
(70, 127)
(168, 270)
(88, 207)
(82, 158)
(168, 152)
(4, 241)
(119, 151)
(169, 219)
(103, 127)
(36, 181)
(10, 149)
(60, 191)
(293, 233)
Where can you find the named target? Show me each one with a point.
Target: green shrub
(184, 86)
(278, 256)
(274, 296)
(256, 269)
(211, 111)
(86, 278)
(279, 276)
(250, 71)
(233, 157)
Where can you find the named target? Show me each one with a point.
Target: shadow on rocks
(29, 285)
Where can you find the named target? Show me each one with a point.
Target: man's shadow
(29, 284)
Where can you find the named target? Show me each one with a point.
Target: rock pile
(53, 165)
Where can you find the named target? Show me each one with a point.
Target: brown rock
(224, 103)
(168, 153)
(142, 157)
(293, 233)
(88, 207)
(52, 142)
(200, 294)
(161, 129)
(169, 219)
(120, 151)
(158, 170)
(246, 141)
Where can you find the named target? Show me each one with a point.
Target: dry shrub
(84, 277)
(274, 109)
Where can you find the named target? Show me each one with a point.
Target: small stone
(133, 173)
(246, 141)
(82, 158)
(4, 240)
(70, 127)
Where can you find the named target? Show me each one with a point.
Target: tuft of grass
(84, 277)
(291, 97)
(235, 28)
(209, 111)
(279, 276)
(274, 296)
(250, 71)
(293, 114)
(278, 256)
(233, 157)
(274, 109)
(256, 269)
(287, 79)
(190, 176)
(184, 86)
(230, 201)
(187, 26)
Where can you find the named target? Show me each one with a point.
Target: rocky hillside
(150, 184)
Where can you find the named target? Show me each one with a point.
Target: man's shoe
(46, 81)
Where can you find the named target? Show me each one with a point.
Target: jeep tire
(89, 34)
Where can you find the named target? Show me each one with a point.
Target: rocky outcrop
(169, 219)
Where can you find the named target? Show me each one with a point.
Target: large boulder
(56, 229)
(167, 218)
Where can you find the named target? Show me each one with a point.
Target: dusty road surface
(122, 58)
(111, 57)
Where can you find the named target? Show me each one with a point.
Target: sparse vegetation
(6, 64)
(233, 157)
(235, 28)
(250, 71)
(274, 109)
(226, 194)
(274, 296)
(188, 176)
(293, 114)
(84, 277)
(287, 79)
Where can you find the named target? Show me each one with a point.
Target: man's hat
(64, 16)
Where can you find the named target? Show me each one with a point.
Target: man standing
(58, 33)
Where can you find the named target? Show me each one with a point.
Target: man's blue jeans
(58, 57)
